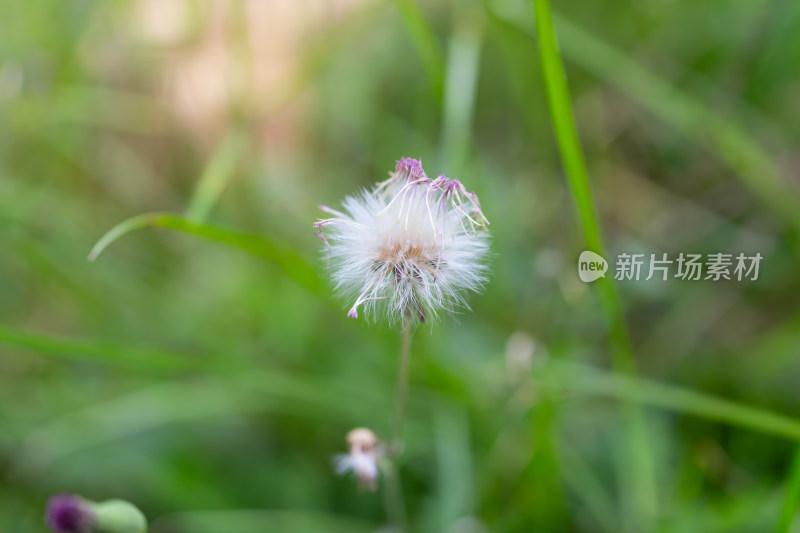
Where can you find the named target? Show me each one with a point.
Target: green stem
(791, 501)
(393, 495)
(401, 388)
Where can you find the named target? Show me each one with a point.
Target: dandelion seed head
(408, 248)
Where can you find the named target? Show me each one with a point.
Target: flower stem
(401, 388)
(393, 496)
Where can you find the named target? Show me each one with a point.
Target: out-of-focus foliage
(211, 386)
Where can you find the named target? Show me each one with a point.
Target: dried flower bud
(362, 439)
(362, 459)
(68, 513)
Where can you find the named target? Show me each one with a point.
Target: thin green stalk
(463, 64)
(183, 401)
(393, 495)
(586, 380)
(791, 502)
(261, 521)
(642, 491)
(219, 171)
(724, 136)
(579, 478)
(425, 42)
(101, 351)
(401, 388)
(293, 265)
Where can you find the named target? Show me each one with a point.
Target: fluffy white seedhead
(408, 248)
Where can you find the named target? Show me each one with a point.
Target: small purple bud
(67, 513)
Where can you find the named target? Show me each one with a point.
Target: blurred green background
(211, 386)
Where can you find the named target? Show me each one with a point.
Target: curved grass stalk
(750, 163)
(589, 381)
(216, 176)
(791, 500)
(639, 478)
(182, 401)
(260, 521)
(425, 42)
(724, 137)
(104, 351)
(293, 265)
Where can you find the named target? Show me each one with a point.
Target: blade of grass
(96, 350)
(189, 400)
(791, 502)
(579, 477)
(216, 176)
(454, 466)
(732, 145)
(585, 380)
(463, 62)
(394, 501)
(723, 136)
(425, 43)
(259, 521)
(642, 493)
(293, 265)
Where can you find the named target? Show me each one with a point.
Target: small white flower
(362, 459)
(411, 246)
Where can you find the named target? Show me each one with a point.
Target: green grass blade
(727, 140)
(579, 477)
(585, 380)
(425, 43)
(260, 521)
(134, 223)
(640, 476)
(463, 65)
(219, 171)
(564, 127)
(182, 401)
(723, 136)
(791, 502)
(105, 351)
(293, 265)
(454, 465)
